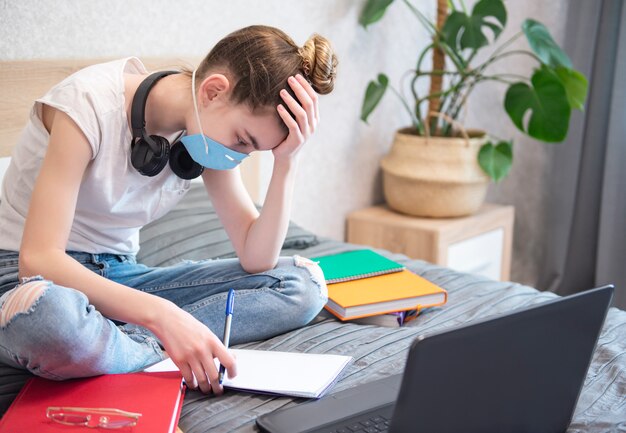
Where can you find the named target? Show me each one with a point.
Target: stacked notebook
(355, 265)
(363, 283)
(157, 397)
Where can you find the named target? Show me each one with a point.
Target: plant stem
(457, 109)
(471, 57)
(492, 59)
(507, 43)
(418, 111)
(503, 76)
(457, 88)
(443, 93)
(420, 16)
(455, 106)
(422, 55)
(458, 62)
(414, 120)
(432, 72)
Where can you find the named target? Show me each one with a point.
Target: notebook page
(287, 373)
(165, 365)
(299, 374)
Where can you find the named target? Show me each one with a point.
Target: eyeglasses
(102, 417)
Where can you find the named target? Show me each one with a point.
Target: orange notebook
(157, 396)
(398, 291)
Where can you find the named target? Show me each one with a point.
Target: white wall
(340, 168)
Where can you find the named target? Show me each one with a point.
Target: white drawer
(480, 254)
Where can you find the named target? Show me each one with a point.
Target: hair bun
(319, 63)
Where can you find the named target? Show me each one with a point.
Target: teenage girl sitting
(87, 174)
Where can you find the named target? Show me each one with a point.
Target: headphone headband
(138, 108)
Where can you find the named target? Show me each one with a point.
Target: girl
(92, 167)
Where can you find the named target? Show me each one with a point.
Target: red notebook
(157, 396)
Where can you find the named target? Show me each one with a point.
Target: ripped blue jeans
(60, 335)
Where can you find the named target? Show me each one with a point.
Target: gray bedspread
(191, 231)
(379, 352)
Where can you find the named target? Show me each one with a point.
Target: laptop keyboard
(371, 422)
(372, 425)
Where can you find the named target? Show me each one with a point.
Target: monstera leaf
(373, 11)
(544, 46)
(575, 85)
(496, 159)
(547, 102)
(373, 94)
(462, 31)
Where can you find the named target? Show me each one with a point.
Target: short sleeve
(80, 106)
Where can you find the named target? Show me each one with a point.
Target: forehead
(263, 125)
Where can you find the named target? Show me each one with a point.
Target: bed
(378, 351)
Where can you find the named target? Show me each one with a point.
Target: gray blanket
(192, 231)
(379, 352)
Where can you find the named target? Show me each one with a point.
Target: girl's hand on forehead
(306, 110)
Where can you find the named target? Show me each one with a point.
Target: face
(234, 126)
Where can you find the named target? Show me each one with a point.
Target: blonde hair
(259, 60)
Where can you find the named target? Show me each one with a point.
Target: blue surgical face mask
(206, 151)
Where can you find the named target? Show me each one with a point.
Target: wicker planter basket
(434, 176)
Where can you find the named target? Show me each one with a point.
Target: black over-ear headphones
(150, 153)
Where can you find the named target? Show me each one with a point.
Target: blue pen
(229, 317)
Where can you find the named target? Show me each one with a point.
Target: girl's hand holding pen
(192, 347)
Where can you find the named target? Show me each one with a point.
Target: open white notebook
(307, 375)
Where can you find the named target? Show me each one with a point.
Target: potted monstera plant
(436, 167)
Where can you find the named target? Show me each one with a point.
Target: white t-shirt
(114, 200)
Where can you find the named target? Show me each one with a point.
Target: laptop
(519, 372)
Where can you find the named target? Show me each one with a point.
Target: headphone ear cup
(182, 164)
(145, 160)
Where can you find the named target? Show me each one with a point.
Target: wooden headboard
(21, 82)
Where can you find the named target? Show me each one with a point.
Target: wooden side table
(480, 243)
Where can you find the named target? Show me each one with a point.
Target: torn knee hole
(316, 272)
(21, 299)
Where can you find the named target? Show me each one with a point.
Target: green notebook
(354, 265)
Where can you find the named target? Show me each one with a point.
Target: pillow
(192, 231)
